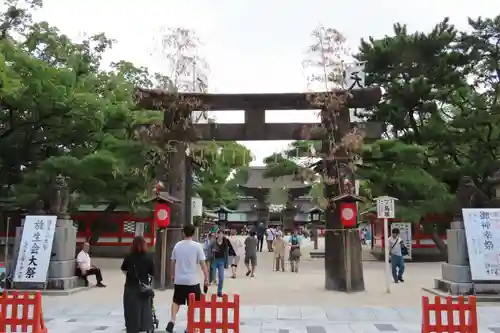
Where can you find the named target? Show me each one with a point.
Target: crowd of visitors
(217, 252)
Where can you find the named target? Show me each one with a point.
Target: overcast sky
(252, 46)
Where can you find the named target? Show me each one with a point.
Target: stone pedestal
(61, 273)
(456, 277)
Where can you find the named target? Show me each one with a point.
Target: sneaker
(170, 327)
(100, 285)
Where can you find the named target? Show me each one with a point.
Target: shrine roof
(256, 180)
(316, 209)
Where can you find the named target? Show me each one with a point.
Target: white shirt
(237, 245)
(187, 255)
(83, 260)
(270, 234)
(395, 246)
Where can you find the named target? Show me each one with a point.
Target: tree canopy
(62, 113)
(224, 165)
(440, 109)
(441, 114)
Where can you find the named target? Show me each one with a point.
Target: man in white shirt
(187, 255)
(86, 268)
(397, 260)
(270, 238)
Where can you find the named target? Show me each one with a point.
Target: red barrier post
(213, 305)
(23, 302)
(467, 315)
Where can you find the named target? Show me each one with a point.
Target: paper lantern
(162, 215)
(348, 214)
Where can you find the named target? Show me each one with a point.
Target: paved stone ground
(273, 302)
(65, 318)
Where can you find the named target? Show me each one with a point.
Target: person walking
(295, 253)
(397, 260)
(138, 267)
(237, 246)
(279, 252)
(261, 230)
(220, 253)
(270, 238)
(251, 254)
(187, 255)
(207, 245)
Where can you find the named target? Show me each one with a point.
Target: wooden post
(177, 181)
(343, 271)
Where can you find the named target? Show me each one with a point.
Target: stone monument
(456, 275)
(61, 273)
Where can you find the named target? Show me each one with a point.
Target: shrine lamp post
(386, 211)
(222, 215)
(315, 216)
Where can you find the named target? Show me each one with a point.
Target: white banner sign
(385, 208)
(196, 206)
(35, 249)
(482, 231)
(404, 234)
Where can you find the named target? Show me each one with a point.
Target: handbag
(145, 289)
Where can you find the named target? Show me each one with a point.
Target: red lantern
(162, 215)
(348, 214)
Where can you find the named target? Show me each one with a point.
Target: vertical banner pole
(386, 210)
(386, 248)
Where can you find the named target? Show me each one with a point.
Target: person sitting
(86, 268)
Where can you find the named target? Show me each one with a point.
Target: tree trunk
(97, 226)
(343, 265)
(440, 244)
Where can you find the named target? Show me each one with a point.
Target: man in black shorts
(251, 253)
(186, 256)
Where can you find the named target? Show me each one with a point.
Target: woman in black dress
(138, 266)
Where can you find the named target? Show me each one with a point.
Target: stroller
(156, 322)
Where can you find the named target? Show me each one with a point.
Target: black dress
(137, 309)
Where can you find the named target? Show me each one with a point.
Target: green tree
(63, 115)
(223, 167)
(442, 113)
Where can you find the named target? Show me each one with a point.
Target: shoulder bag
(404, 249)
(145, 289)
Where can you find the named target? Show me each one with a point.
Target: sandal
(248, 273)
